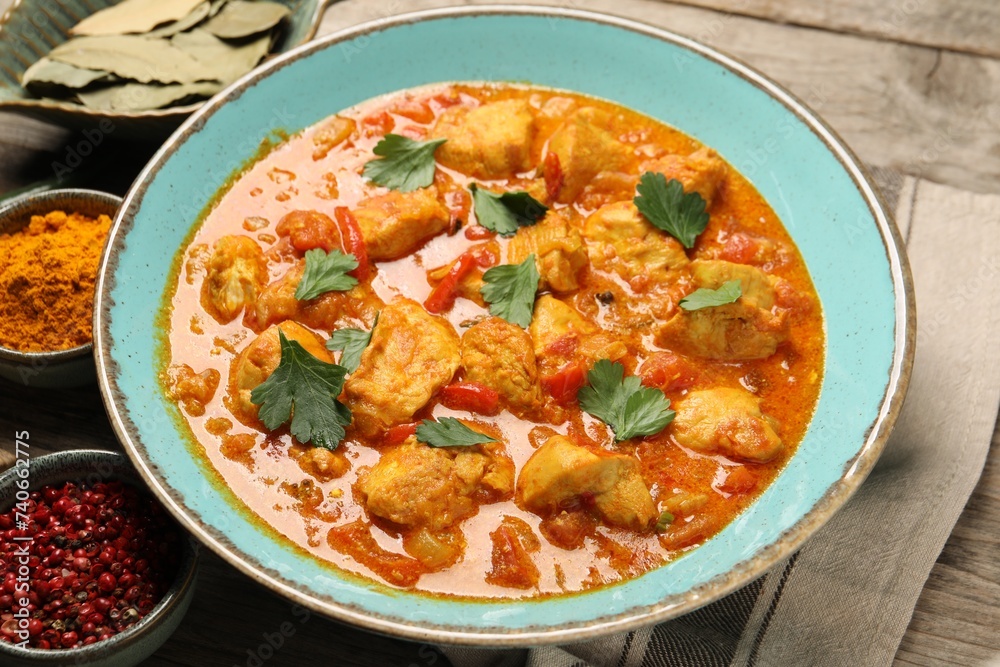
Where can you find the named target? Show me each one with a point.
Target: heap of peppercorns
(100, 558)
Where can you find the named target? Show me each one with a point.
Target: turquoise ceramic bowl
(811, 179)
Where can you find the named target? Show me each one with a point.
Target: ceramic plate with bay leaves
(145, 63)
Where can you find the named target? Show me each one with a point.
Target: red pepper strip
(442, 297)
(477, 233)
(471, 396)
(566, 382)
(353, 241)
(553, 175)
(398, 434)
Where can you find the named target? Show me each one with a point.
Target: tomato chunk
(668, 372)
(471, 396)
(478, 233)
(380, 123)
(458, 202)
(416, 110)
(739, 480)
(566, 382)
(512, 565)
(400, 433)
(353, 241)
(564, 346)
(307, 230)
(442, 297)
(740, 248)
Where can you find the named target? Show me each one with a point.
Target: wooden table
(913, 85)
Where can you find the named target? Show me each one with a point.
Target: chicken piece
(750, 328)
(554, 320)
(334, 310)
(489, 142)
(584, 149)
(559, 334)
(726, 421)
(560, 253)
(702, 171)
(606, 188)
(620, 240)
(412, 355)
(419, 486)
(397, 223)
(259, 359)
(498, 354)
(560, 475)
(236, 273)
(552, 114)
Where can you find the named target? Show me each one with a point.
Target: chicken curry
(493, 341)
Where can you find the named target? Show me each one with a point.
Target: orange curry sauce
(320, 169)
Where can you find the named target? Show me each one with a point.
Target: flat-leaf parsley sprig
(666, 205)
(622, 403)
(449, 432)
(704, 297)
(506, 212)
(510, 291)
(326, 272)
(304, 389)
(404, 164)
(353, 342)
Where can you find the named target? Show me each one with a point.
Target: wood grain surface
(910, 84)
(957, 25)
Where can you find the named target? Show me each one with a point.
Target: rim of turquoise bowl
(671, 606)
(32, 204)
(97, 652)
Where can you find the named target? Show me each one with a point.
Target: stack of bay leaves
(150, 54)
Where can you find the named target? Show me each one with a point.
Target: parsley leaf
(666, 518)
(406, 165)
(306, 389)
(623, 403)
(510, 291)
(667, 207)
(353, 342)
(504, 213)
(449, 432)
(706, 298)
(326, 272)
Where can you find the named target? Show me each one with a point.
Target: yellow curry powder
(47, 274)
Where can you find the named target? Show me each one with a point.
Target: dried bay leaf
(140, 96)
(134, 16)
(47, 74)
(222, 60)
(196, 16)
(217, 6)
(132, 57)
(241, 18)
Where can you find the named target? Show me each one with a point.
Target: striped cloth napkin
(847, 596)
